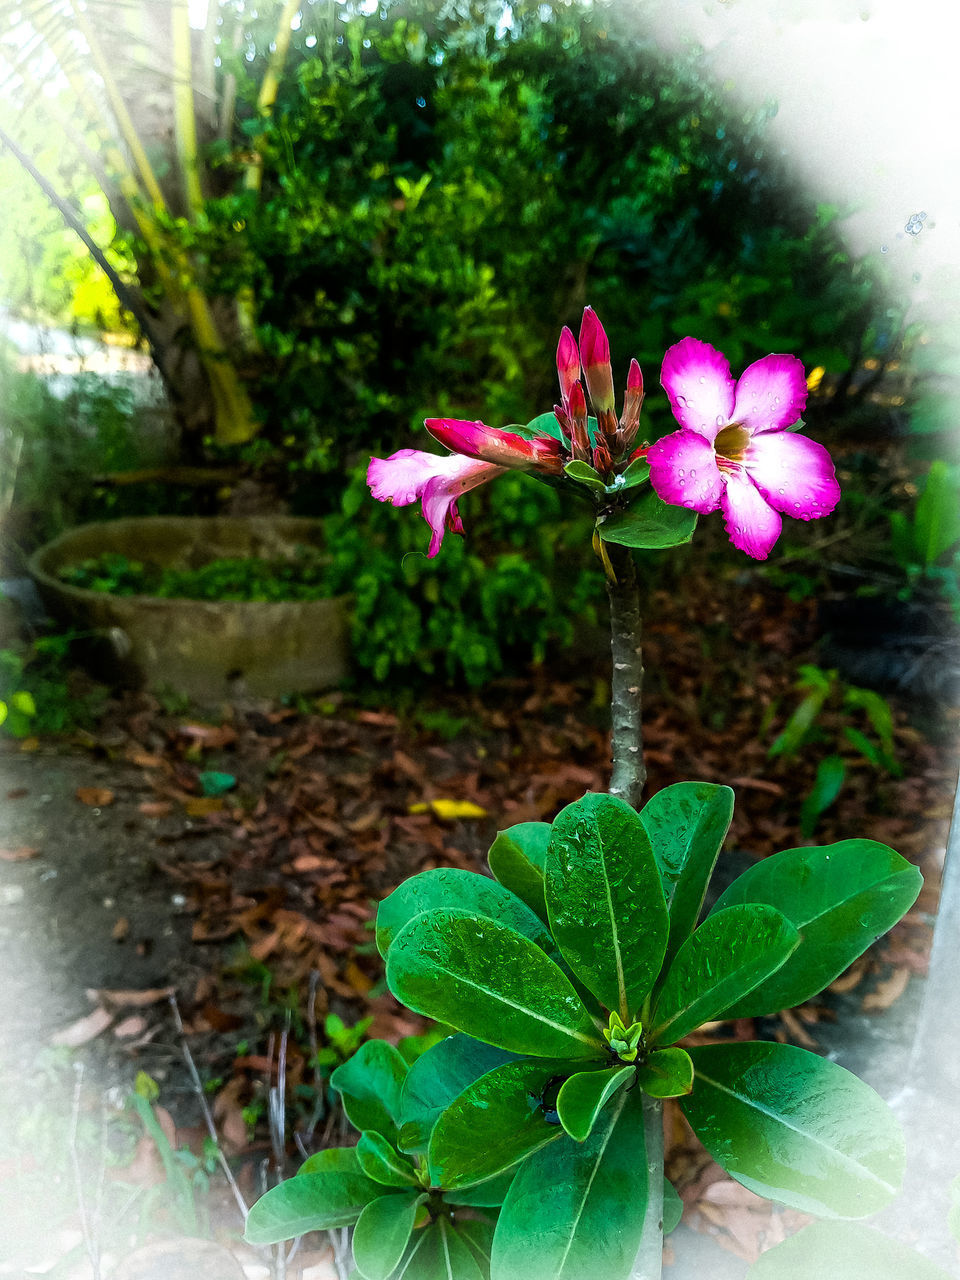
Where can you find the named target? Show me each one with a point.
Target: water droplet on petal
(701, 380)
(681, 400)
(680, 472)
(719, 419)
(779, 491)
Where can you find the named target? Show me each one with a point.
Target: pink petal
(684, 472)
(771, 394)
(794, 474)
(595, 358)
(752, 524)
(400, 478)
(568, 362)
(697, 379)
(440, 497)
(488, 444)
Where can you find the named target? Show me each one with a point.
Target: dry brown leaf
(200, 806)
(145, 760)
(23, 854)
(797, 1030)
(96, 797)
(133, 999)
(209, 735)
(887, 991)
(155, 808)
(83, 1030)
(135, 1025)
(120, 929)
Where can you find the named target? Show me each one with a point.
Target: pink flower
(436, 480)
(733, 449)
(505, 448)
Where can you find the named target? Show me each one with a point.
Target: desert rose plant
(529, 1144)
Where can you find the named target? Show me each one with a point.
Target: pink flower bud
(568, 363)
(595, 357)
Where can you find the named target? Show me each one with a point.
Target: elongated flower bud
(505, 448)
(595, 358)
(568, 364)
(632, 401)
(580, 436)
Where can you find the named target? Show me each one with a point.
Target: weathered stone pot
(205, 649)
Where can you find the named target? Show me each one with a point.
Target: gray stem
(629, 773)
(648, 1264)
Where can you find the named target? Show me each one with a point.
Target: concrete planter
(206, 649)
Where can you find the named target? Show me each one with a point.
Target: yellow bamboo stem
(269, 88)
(184, 118)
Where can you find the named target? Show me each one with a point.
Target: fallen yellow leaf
(450, 810)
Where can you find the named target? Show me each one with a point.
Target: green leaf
(826, 787)
(214, 783)
(382, 1233)
(437, 1077)
(491, 982)
(484, 1195)
(23, 702)
(333, 1160)
(544, 424)
(672, 1207)
(937, 517)
(604, 899)
(585, 474)
(309, 1202)
(649, 522)
(846, 1251)
(494, 1123)
(732, 952)
(794, 733)
(517, 859)
(370, 1085)
(379, 1161)
(795, 1128)
(464, 890)
(439, 1253)
(841, 897)
(478, 1235)
(636, 473)
(575, 1210)
(666, 1073)
(583, 1096)
(687, 824)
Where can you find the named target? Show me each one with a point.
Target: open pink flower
(438, 480)
(733, 449)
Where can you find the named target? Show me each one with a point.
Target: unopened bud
(595, 358)
(580, 436)
(632, 402)
(568, 363)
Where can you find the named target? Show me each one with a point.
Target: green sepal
(650, 523)
(436, 1078)
(846, 1250)
(575, 1210)
(370, 1085)
(583, 1096)
(309, 1202)
(795, 1128)
(380, 1161)
(464, 891)
(605, 902)
(517, 858)
(383, 1232)
(494, 1123)
(687, 824)
(666, 1073)
(732, 952)
(491, 982)
(841, 897)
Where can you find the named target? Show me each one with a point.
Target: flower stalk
(626, 685)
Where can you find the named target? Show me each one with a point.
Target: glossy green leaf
(575, 1210)
(831, 772)
(666, 1073)
(379, 1161)
(687, 824)
(370, 1085)
(795, 1128)
(491, 982)
(583, 1096)
(309, 1202)
(544, 424)
(636, 473)
(464, 891)
(517, 859)
(604, 900)
(332, 1160)
(732, 952)
(494, 1123)
(382, 1233)
(649, 522)
(841, 897)
(484, 1195)
(437, 1077)
(439, 1253)
(843, 1251)
(672, 1207)
(477, 1233)
(585, 474)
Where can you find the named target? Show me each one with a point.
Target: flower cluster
(735, 450)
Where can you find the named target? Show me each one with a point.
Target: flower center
(731, 442)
